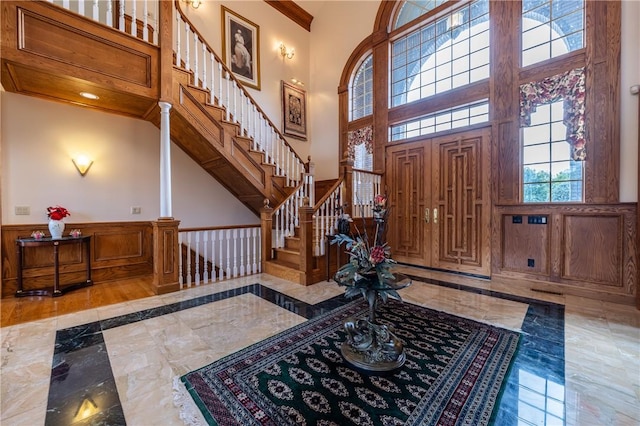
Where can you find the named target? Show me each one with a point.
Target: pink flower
(377, 255)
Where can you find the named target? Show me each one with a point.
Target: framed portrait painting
(294, 111)
(241, 47)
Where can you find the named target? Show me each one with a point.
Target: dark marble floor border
(81, 373)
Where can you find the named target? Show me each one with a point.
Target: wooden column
(346, 170)
(165, 255)
(306, 242)
(266, 226)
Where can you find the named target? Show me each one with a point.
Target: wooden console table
(21, 243)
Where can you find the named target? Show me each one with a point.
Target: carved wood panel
(461, 202)
(409, 189)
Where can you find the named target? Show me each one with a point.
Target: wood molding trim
(292, 11)
(118, 250)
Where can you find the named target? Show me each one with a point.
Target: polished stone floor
(578, 364)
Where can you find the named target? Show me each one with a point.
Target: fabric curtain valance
(361, 136)
(570, 87)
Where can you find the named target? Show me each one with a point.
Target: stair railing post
(306, 240)
(166, 252)
(266, 225)
(346, 197)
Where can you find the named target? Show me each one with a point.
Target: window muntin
(551, 28)
(361, 93)
(452, 118)
(549, 172)
(411, 10)
(446, 54)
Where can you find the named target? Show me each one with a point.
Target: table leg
(19, 254)
(56, 272)
(88, 261)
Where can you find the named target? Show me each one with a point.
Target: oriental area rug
(452, 375)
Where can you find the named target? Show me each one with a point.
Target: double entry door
(439, 199)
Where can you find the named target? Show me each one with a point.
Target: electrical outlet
(531, 263)
(22, 210)
(136, 210)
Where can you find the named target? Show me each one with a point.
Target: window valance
(570, 87)
(361, 136)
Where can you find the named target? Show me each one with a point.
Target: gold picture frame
(294, 111)
(241, 47)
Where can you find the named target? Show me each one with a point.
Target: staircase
(51, 52)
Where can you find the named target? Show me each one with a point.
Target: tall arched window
(360, 141)
(448, 52)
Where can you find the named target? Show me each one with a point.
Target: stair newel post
(306, 239)
(266, 217)
(166, 256)
(346, 197)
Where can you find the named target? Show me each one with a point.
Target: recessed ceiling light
(89, 95)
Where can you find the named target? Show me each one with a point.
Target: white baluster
(259, 245)
(220, 78)
(188, 259)
(204, 65)
(228, 254)
(213, 79)
(227, 106)
(205, 259)
(178, 46)
(180, 261)
(195, 60)
(235, 102)
(109, 13)
(145, 21)
(81, 7)
(254, 266)
(221, 265)
(213, 257)
(121, 26)
(65, 4)
(134, 21)
(235, 252)
(197, 256)
(242, 118)
(241, 253)
(187, 47)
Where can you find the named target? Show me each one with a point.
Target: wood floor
(17, 310)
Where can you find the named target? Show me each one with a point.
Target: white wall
(338, 28)
(39, 138)
(630, 75)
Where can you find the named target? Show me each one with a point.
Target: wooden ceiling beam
(294, 12)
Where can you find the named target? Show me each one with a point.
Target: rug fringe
(189, 413)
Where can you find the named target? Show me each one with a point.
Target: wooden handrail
(240, 85)
(217, 228)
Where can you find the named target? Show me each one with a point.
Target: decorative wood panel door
(461, 202)
(439, 198)
(409, 192)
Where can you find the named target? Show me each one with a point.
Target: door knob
(435, 215)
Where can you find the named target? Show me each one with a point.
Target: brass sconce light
(193, 3)
(82, 163)
(284, 52)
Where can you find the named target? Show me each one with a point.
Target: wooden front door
(439, 194)
(409, 193)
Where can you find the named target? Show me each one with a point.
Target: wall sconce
(288, 53)
(194, 3)
(296, 81)
(82, 163)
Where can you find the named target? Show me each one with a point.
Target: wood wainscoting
(119, 250)
(585, 250)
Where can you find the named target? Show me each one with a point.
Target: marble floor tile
(578, 364)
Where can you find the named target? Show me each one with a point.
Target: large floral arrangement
(57, 213)
(369, 268)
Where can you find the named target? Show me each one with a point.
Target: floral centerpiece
(56, 225)
(368, 271)
(371, 345)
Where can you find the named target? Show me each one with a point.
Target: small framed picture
(241, 47)
(294, 111)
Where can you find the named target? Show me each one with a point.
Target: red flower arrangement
(57, 213)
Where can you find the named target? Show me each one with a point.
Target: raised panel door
(461, 202)
(408, 233)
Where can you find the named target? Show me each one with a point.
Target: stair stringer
(200, 130)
